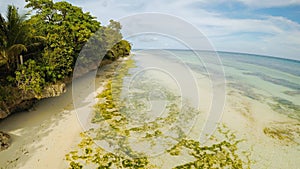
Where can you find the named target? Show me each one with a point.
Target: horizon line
(232, 52)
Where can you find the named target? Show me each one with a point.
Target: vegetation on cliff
(39, 49)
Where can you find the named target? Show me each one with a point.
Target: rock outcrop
(54, 90)
(21, 101)
(4, 141)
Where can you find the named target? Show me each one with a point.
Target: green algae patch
(91, 155)
(132, 136)
(287, 133)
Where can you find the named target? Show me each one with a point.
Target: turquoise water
(275, 81)
(170, 95)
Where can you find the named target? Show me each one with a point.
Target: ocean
(175, 108)
(257, 97)
(271, 79)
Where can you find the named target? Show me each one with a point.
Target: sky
(266, 27)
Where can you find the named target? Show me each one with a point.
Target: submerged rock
(4, 141)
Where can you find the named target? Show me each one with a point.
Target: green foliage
(66, 28)
(112, 33)
(14, 37)
(8, 94)
(120, 49)
(50, 41)
(17, 37)
(58, 64)
(105, 44)
(30, 78)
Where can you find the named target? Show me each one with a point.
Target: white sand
(41, 137)
(249, 118)
(245, 116)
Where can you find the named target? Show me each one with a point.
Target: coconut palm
(14, 37)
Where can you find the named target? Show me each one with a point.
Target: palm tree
(14, 37)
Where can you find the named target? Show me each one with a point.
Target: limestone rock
(54, 90)
(3, 110)
(24, 101)
(5, 140)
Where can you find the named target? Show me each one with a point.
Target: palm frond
(38, 38)
(16, 49)
(35, 44)
(16, 37)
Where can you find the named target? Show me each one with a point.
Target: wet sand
(42, 136)
(246, 116)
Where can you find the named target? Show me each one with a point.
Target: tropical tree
(120, 49)
(14, 37)
(66, 29)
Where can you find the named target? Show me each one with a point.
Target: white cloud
(268, 35)
(269, 3)
(254, 3)
(262, 35)
(276, 36)
(18, 3)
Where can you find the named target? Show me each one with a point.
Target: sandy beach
(149, 84)
(43, 136)
(245, 116)
(248, 118)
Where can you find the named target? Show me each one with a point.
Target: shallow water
(163, 106)
(262, 95)
(273, 78)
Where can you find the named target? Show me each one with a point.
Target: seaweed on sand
(116, 129)
(285, 132)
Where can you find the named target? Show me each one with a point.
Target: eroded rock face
(3, 114)
(54, 90)
(25, 101)
(5, 140)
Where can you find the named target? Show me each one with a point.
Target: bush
(30, 77)
(120, 49)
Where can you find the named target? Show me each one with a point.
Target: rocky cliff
(20, 101)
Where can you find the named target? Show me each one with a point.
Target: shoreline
(53, 135)
(251, 119)
(42, 136)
